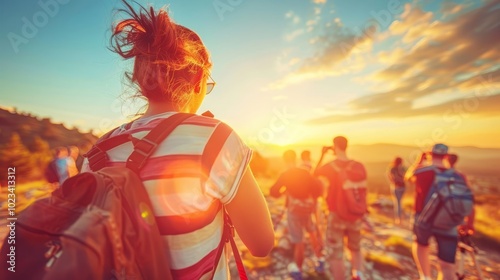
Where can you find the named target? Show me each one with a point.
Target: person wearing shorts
(340, 228)
(336, 231)
(447, 241)
(301, 190)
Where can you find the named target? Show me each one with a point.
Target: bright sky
(287, 72)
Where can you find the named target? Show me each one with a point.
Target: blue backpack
(448, 202)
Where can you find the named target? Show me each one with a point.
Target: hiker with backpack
(442, 201)
(201, 169)
(301, 190)
(465, 230)
(467, 227)
(171, 176)
(346, 200)
(318, 215)
(395, 174)
(57, 171)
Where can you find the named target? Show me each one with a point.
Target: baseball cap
(440, 149)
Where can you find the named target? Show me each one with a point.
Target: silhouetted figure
(396, 174)
(318, 216)
(424, 178)
(466, 230)
(301, 190)
(346, 200)
(73, 153)
(305, 156)
(60, 164)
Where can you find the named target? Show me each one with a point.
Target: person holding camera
(346, 200)
(427, 179)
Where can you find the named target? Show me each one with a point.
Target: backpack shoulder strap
(228, 236)
(145, 147)
(214, 145)
(338, 168)
(335, 166)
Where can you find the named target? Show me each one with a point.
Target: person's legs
(398, 211)
(319, 220)
(421, 257)
(312, 228)
(335, 247)
(315, 244)
(298, 254)
(296, 234)
(353, 233)
(357, 264)
(421, 252)
(447, 248)
(447, 271)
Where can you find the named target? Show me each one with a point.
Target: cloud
(336, 45)
(459, 55)
(293, 17)
(463, 107)
(291, 36)
(449, 8)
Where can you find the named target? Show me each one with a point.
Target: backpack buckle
(145, 147)
(97, 158)
(142, 150)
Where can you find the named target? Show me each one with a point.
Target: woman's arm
(250, 215)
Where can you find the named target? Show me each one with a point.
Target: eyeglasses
(210, 85)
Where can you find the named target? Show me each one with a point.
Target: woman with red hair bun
(201, 169)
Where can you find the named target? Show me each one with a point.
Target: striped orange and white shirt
(186, 194)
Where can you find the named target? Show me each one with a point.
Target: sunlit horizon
(408, 73)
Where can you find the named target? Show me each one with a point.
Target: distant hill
(474, 160)
(29, 126)
(26, 143)
(479, 164)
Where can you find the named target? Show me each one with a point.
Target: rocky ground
(386, 247)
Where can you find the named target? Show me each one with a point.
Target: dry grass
(487, 220)
(383, 261)
(399, 245)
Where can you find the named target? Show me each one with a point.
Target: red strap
(239, 263)
(228, 236)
